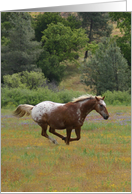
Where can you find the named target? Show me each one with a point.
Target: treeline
(44, 43)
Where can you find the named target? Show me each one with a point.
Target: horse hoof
(64, 138)
(55, 142)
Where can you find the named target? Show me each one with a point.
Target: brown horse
(63, 116)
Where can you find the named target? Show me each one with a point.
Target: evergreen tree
(107, 69)
(123, 20)
(21, 52)
(96, 26)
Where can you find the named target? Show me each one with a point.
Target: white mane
(83, 97)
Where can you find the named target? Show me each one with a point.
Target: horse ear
(103, 98)
(96, 98)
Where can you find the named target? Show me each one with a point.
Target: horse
(59, 116)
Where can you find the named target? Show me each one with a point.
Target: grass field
(99, 162)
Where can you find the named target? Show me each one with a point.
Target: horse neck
(87, 106)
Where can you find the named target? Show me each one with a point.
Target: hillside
(71, 79)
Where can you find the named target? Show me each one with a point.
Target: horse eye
(101, 105)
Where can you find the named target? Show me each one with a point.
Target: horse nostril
(106, 117)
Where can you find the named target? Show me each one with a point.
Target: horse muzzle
(106, 117)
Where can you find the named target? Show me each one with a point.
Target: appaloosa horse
(63, 116)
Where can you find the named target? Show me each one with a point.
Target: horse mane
(83, 97)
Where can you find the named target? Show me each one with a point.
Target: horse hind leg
(51, 130)
(43, 133)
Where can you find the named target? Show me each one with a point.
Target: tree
(107, 69)
(5, 27)
(73, 22)
(60, 43)
(51, 67)
(42, 20)
(123, 20)
(21, 52)
(96, 25)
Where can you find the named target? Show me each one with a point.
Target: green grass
(99, 162)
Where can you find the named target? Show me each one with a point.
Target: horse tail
(23, 109)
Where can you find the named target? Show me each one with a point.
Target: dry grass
(100, 161)
(74, 83)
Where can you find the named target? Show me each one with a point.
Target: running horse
(63, 116)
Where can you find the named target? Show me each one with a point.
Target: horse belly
(56, 121)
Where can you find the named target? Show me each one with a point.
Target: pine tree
(96, 26)
(21, 52)
(107, 69)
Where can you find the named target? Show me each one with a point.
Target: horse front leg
(78, 134)
(68, 132)
(77, 131)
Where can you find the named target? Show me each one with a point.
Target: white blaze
(103, 103)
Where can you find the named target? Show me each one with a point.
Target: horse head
(100, 107)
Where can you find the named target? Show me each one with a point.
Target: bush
(16, 96)
(117, 98)
(25, 79)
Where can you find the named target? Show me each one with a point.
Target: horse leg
(77, 131)
(43, 133)
(51, 130)
(68, 131)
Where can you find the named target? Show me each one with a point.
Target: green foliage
(107, 69)
(51, 67)
(92, 47)
(43, 20)
(61, 41)
(13, 81)
(124, 23)
(73, 22)
(25, 79)
(96, 24)
(117, 98)
(5, 23)
(19, 51)
(16, 96)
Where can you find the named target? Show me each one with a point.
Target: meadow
(99, 162)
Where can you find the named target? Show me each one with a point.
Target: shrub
(117, 98)
(16, 96)
(25, 79)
